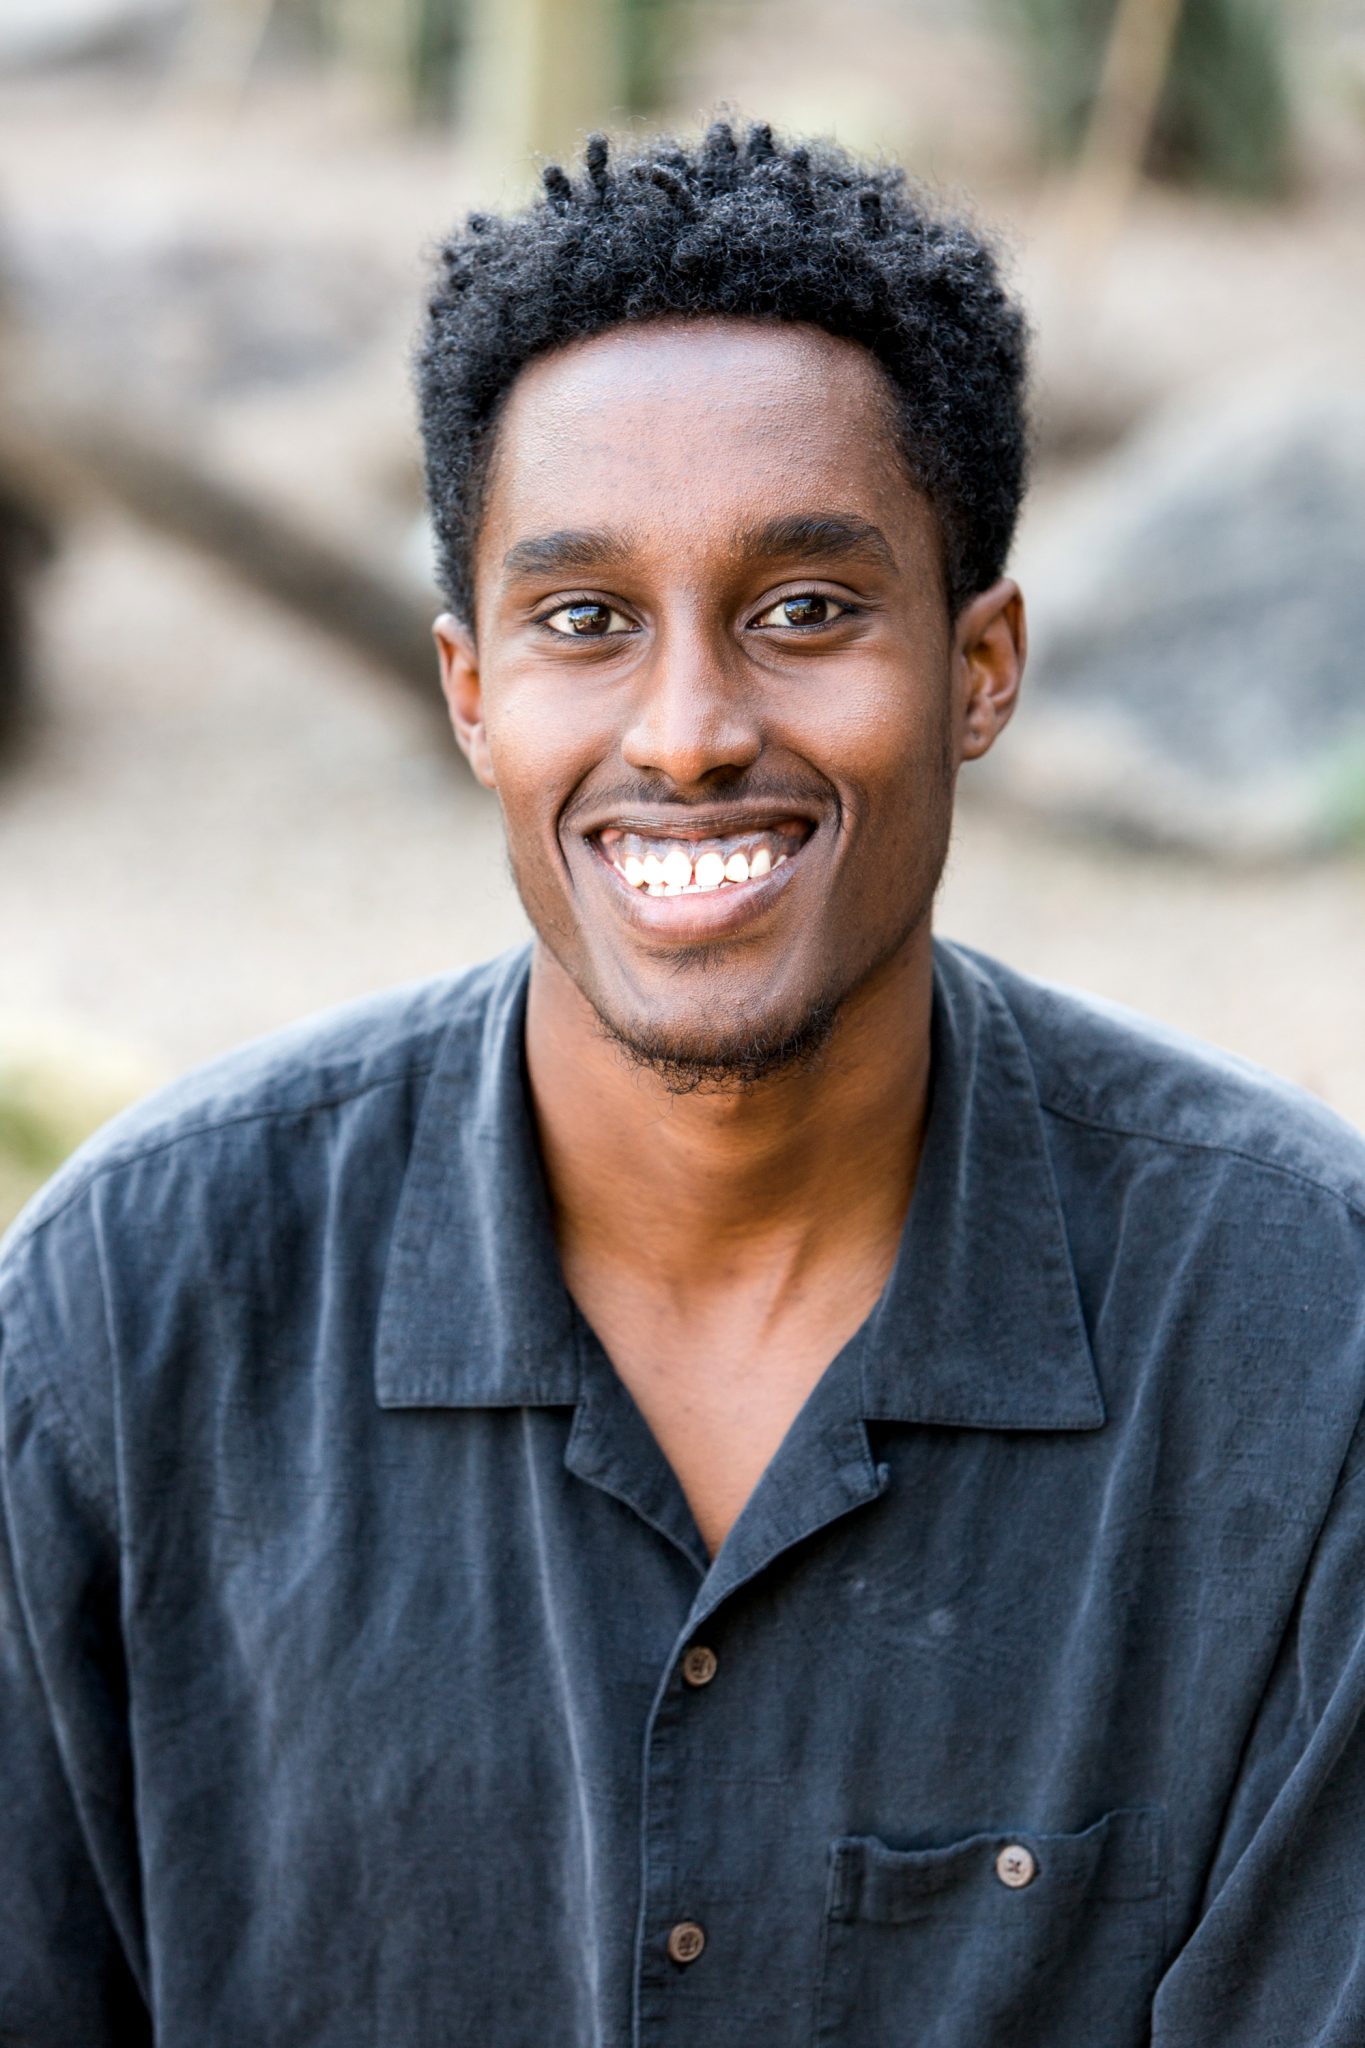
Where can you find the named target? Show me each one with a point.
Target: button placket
(676, 1880)
(659, 1972)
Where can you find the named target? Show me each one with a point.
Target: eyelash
(845, 609)
(565, 604)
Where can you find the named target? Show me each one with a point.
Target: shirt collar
(980, 1325)
(475, 1312)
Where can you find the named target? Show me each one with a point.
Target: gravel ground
(225, 823)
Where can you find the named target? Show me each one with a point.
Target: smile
(682, 863)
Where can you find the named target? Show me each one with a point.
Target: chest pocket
(998, 1941)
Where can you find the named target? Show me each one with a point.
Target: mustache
(743, 792)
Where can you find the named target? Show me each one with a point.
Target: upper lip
(720, 821)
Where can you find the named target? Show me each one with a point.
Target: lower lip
(704, 913)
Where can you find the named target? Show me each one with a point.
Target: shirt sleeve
(71, 1949)
(1277, 1957)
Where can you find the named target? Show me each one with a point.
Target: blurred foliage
(651, 31)
(1224, 117)
(1343, 797)
(415, 45)
(33, 1143)
(425, 41)
(435, 42)
(52, 1096)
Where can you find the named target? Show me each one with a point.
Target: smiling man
(741, 1476)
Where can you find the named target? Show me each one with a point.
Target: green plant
(1224, 117)
(32, 1146)
(49, 1102)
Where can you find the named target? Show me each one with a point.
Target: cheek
(542, 742)
(886, 743)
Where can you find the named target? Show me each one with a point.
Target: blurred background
(226, 794)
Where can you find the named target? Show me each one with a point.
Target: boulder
(1197, 611)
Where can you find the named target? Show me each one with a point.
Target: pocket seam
(1136, 1833)
(1143, 1864)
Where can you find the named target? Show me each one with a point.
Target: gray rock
(37, 32)
(1197, 605)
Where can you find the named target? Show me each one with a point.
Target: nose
(692, 719)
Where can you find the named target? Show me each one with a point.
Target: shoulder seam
(1277, 1166)
(98, 1169)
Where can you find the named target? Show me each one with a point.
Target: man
(741, 1478)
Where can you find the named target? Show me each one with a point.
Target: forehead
(708, 424)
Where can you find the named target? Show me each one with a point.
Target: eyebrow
(805, 535)
(550, 554)
(824, 534)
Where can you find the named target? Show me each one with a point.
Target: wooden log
(1109, 164)
(538, 76)
(60, 443)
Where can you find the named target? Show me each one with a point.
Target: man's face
(716, 685)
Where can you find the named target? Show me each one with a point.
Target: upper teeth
(678, 870)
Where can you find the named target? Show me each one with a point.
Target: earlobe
(990, 646)
(461, 686)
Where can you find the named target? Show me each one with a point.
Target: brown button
(686, 1941)
(699, 1665)
(1016, 1867)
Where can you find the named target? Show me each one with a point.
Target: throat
(720, 1381)
(725, 1248)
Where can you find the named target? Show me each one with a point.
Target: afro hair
(757, 229)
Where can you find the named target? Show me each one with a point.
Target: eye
(807, 608)
(587, 621)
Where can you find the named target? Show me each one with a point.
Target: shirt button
(686, 1941)
(699, 1665)
(1016, 1866)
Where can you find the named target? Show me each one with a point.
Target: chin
(696, 1057)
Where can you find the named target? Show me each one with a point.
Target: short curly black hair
(762, 229)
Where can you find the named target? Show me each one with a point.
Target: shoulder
(205, 1222)
(242, 1153)
(379, 1045)
(207, 1233)
(1150, 1090)
(1214, 1218)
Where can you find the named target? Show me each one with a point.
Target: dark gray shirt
(365, 1680)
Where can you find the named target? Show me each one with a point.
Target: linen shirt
(365, 1679)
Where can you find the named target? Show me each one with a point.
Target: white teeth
(678, 873)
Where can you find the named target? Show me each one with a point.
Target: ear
(990, 643)
(463, 694)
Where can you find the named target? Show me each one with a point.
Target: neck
(806, 1167)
